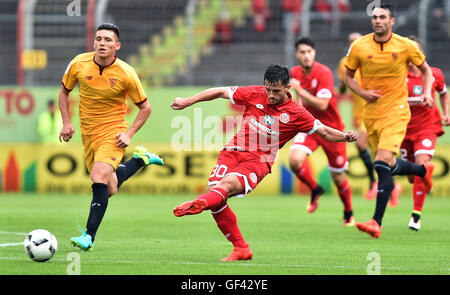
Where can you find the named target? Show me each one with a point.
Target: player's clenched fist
(351, 136)
(180, 103)
(66, 132)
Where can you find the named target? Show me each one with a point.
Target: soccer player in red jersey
(314, 85)
(270, 119)
(423, 129)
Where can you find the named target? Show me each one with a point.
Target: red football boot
(396, 192)
(427, 180)
(190, 207)
(371, 227)
(372, 192)
(239, 253)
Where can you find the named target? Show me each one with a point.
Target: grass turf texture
(140, 235)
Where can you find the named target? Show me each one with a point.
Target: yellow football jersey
(384, 67)
(103, 92)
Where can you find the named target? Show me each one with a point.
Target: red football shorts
(249, 169)
(336, 151)
(423, 142)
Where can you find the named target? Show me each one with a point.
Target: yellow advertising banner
(61, 168)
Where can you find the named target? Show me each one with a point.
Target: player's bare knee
(295, 163)
(338, 177)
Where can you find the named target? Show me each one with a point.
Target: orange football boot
(190, 207)
(314, 202)
(396, 192)
(427, 180)
(371, 227)
(372, 192)
(239, 253)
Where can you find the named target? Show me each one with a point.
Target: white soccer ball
(40, 245)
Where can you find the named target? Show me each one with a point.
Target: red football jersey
(423, 117)
(266, 128)
(320, 83)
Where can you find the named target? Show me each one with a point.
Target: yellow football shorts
(387, 133)
(102, 148)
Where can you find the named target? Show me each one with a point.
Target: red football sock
(214, 198)
(227, 222)
(305, 175)
(345, 192)
(419, 194)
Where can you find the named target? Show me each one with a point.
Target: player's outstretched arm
(180, 103)
(444, 105)
(334, 135)
(64, 103)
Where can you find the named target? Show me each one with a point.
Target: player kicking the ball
(271, 118)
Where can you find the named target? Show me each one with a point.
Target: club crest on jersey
(395, 56)
(112, 82)
(253, 177)
(89, 78)
(259, 106)
(417, 90)
(284, 118)
(269, 120)
(314, 83)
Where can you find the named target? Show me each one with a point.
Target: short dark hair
(277, 72)
(109, 27)
(385, 5)
(304, 40)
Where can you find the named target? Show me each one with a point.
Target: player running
(104, 82)
(363, 140)
(314, 85)
(383, 58)
(270, 119)
(423, 129)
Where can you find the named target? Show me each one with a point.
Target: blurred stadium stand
(166, 50)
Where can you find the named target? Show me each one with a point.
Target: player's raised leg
(141, 158)
(216, 201)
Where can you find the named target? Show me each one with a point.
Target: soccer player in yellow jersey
(104, 83)
(363, 140)
(382, 57)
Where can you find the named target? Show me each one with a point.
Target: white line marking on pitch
(12, 233)
(230, 264)
(10, 244)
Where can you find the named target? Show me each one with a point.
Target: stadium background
(176, 49)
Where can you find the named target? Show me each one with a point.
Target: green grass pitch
(139, 235)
